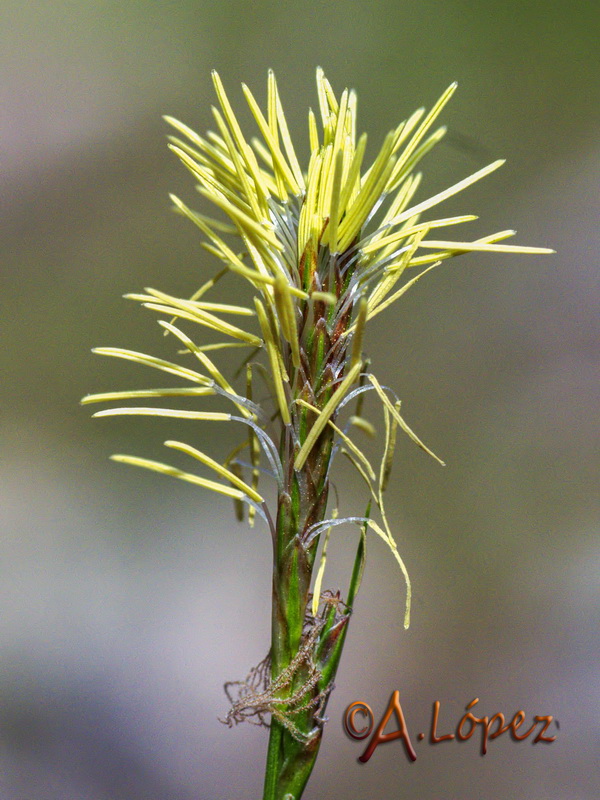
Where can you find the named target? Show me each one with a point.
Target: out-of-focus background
(127, 599)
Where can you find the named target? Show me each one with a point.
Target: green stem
(305, 652)
(273, 766)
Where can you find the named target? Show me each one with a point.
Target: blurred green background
(128, 599)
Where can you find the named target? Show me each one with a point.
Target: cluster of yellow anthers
(338, 211)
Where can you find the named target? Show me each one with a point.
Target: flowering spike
(322, 251)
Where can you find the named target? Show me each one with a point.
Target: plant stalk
(305, 649)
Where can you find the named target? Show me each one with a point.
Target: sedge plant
(324, 249)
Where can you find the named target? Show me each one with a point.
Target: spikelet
(323, 250)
